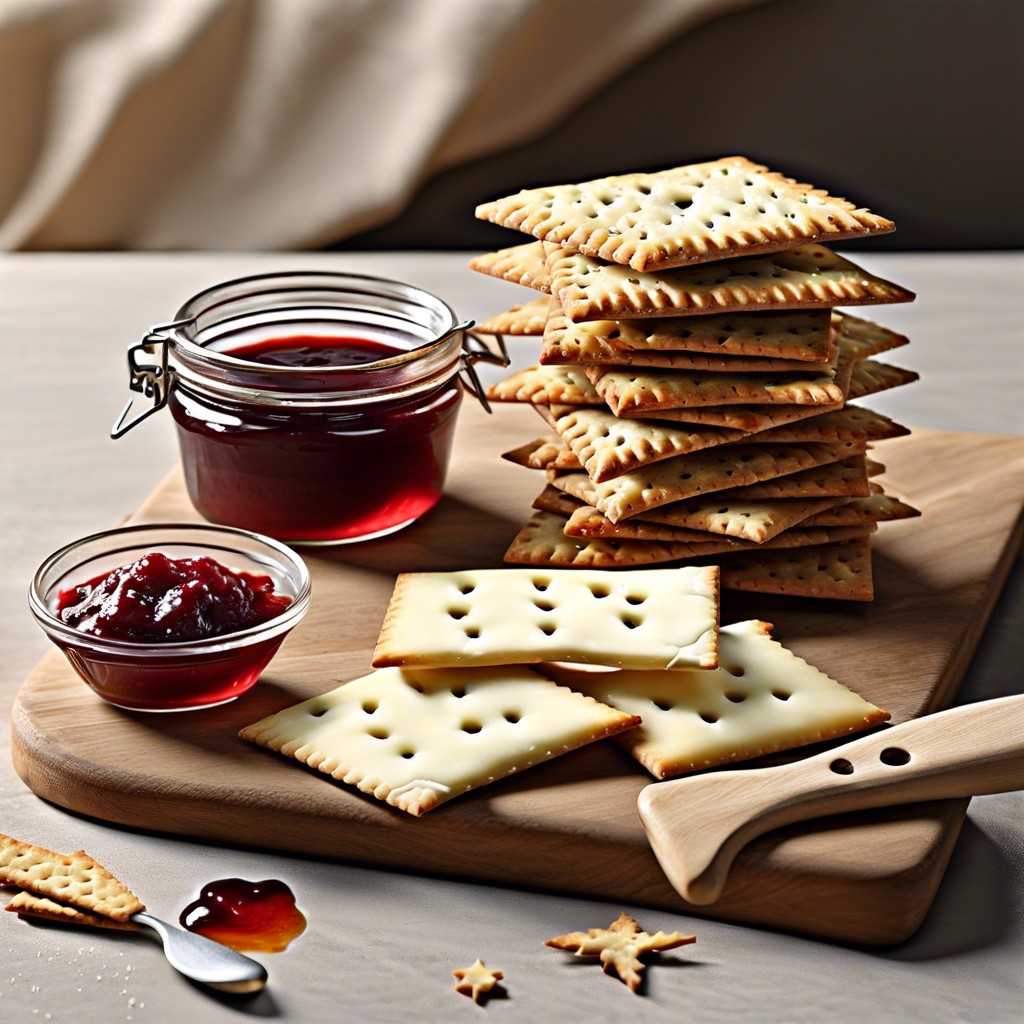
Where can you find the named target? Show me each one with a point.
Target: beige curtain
(278, 124)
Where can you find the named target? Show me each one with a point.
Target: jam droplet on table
(252, 917)
(157, 599)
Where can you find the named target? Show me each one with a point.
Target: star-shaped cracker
(477, 980)
(620, 946)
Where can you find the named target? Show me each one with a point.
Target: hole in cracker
(635, 599)
(472, 633)
(379, 734)
(841, 766)
(541, 584)
(735, 670)
(630, 623)
(706, 716)
(662, 705)
(407, 754)
(467, 588)
(459, 692)
(547, 628)
(458, 613)
(370, 706)
(781, 694)
(471, 727)
(600, 592)
(319, 713)
(735, 698)
(512, 717)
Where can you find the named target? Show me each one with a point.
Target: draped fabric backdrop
(280, 124)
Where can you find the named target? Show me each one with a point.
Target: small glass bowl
(170, 676)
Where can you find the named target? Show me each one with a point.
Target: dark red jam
(348, 469)
(157, 599)
(311, 350)
(253, 917)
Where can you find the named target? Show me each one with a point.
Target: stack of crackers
(697, 377)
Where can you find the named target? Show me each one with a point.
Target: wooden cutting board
(570, 825)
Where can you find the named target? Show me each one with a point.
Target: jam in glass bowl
(170, 617)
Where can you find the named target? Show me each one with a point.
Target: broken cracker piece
(620, 946)
(477, 980)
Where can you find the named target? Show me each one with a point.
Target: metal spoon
(204, 960)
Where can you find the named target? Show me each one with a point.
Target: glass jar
(315, 454)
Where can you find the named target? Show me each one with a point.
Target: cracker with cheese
(761, 699)
(416, 738)
(664, 618)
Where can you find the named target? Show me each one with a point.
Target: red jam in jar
(252, 917)
(157, 599)
(315, 408)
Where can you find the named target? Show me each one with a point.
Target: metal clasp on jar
(152, 380)
(476, 351)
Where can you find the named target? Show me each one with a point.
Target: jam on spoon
(256, 917)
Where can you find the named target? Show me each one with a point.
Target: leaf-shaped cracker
(690, 214)
(620, 946)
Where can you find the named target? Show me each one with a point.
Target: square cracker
(646, 391)
(416, 738)
(718, 469)
(543, 453)
(810, 276)
(878, 507)
(607, 446)
(527, 319)
(664, 618)
(803, 335)
(706, 211)
(70, 878)
(851, 423)
(518, 264)
(545, 540)
(762, 699)
(27, 904)
(870, 376)
(840, 571)
(756, 523)
(546, 385)
(752, 419)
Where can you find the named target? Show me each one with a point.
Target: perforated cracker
(543, 453)
(687, 476)
(26, 904)
(810, 276)
(664, 618)
(798, 335)
(865, 338)
(546, 385)
(836, 571)
(541, 541)
(416, 738)
(845, 478)
(69, 878)
(518, 264)
(870, 377)
(761, 699)
(878, 507)
(526, 319)
(851, 423)
(753, 521)
(748, 418)
(607, 446)
(707, 211)
(647, 391)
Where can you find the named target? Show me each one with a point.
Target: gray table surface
(381, 946)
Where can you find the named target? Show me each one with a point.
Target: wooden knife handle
(969, 750)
